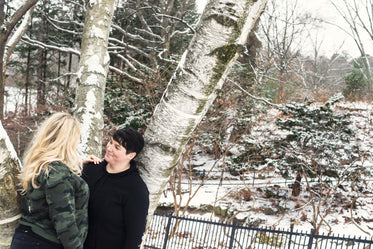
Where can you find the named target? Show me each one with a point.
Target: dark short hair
(130, 139)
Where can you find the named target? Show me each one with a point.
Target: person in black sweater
(119, 199)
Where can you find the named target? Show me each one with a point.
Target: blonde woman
(55, 199)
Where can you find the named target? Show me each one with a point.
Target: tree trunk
(9, 204)
(221, 33)
(58, 72)
(67, 85)
(27, 81)
(296, 189)
(41, 65)
(40, 91)
(93, 67)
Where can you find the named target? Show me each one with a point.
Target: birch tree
(93, 67)
(220, 35)
(9, 204)
(9, 162)
(9, 38)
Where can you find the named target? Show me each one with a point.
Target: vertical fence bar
(291, 234)
(310, 240)
(232, 234)
(167, 231)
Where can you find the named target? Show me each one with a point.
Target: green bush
(356, 82)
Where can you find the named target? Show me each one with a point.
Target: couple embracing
(101, 205)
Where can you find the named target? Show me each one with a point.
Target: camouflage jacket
(58, 209)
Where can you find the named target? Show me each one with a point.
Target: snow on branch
(178, 32)
(60, 77)
(62, 29)
(252, 96)
(125, 46)
(130, 62)
(39, 44)
(16, 37)
(150, 33)
(126, 61)
(140, 64)
(138, 37)
(121, 72)
(164, 59)
(178, 19)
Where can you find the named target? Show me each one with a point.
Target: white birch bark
(9, 204)
(222, 31)
(93, 68)
(16, 37)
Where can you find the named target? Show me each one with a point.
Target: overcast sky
(333, 37)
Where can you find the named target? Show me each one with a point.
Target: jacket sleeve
(135, 212)
(60, 198)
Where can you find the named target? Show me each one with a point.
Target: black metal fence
(173, 232)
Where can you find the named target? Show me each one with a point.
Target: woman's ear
(132, 155)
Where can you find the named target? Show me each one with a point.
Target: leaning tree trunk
(9, 196)
(9, 162)
(220, 35)
(93, 68)
(9, 38)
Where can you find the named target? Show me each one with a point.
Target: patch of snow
(94, 66)
(14, 98)
(96, 32)
(9, 146)
(300, 210)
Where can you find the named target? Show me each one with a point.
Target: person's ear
(132, 155)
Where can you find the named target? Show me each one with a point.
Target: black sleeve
(135, 213)
(92, 172)
(86, 171)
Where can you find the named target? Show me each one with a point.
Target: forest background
(146, 43)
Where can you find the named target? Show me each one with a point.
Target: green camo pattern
(58, 209)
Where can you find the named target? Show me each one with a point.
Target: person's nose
(108, 147)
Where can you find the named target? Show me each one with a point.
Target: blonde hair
(56, 140)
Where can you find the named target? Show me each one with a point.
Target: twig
(254, 97)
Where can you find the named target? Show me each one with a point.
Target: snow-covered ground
(14, 98)
(282, 209)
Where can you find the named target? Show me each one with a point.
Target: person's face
(116, 153)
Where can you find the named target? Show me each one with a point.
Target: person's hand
(92, 159)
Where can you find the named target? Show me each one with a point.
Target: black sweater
(117, 208)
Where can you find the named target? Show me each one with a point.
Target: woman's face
(116, 153)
